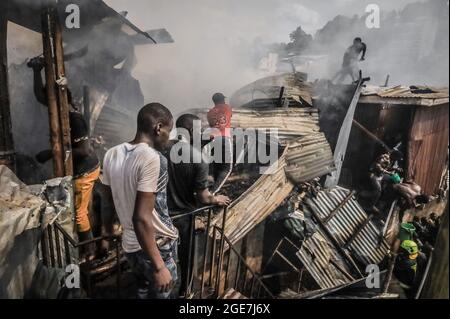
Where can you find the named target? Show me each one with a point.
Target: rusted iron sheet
(408, 92)
(428, 147)
(309, 157)
(290, 88)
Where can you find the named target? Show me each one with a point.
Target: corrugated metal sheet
(407, 95)
(349, 219)
(407, 92)
(290, 122)
(258, 202)
(309, 157)
(268, 89)
(317, 255)
(428, 147)
(27, 14)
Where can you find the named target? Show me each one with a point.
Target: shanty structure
(414, 118)
(283, 90)
(344, 241)
(84, 60)
(38, 238)
(284, 103)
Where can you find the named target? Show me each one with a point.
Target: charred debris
(285, 235)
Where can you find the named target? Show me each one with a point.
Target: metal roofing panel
(309, 157)
(349, 219)
(408, 92)
(318, 256)
(295, 88)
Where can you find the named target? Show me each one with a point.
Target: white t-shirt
(128, 169)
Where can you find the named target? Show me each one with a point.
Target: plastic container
(406, 232)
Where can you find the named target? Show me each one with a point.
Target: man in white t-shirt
(136, 173)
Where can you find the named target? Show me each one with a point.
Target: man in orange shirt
(219, 118)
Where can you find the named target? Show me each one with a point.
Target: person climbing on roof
(351, 59)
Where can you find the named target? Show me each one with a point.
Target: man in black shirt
(188, 185)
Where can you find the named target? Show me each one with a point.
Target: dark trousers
(143, 269)
(184, 230)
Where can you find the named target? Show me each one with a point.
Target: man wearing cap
(219, 119)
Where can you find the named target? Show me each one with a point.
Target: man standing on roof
(351, 59)
(219, 119)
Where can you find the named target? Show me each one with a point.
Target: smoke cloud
(218, 45)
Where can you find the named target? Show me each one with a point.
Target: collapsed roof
(405, 95)
(26, 13)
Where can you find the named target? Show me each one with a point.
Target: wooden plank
(52, 101)
(62, 96)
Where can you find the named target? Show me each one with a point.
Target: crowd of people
(148, 188)
(416, 236)
(144, 188)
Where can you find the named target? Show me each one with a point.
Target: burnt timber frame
(58, 106)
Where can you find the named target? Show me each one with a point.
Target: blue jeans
(143, 268)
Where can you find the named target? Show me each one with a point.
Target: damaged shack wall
(428, 147)
(6, 141)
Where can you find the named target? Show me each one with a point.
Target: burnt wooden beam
(64, 107)
(52, 100)
(371, 135)
(56, 89)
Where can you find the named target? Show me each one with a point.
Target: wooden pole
(372, 136)
(6, 138)
(53, 109)
(64, 107)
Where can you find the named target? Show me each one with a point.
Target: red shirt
(219, 117)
